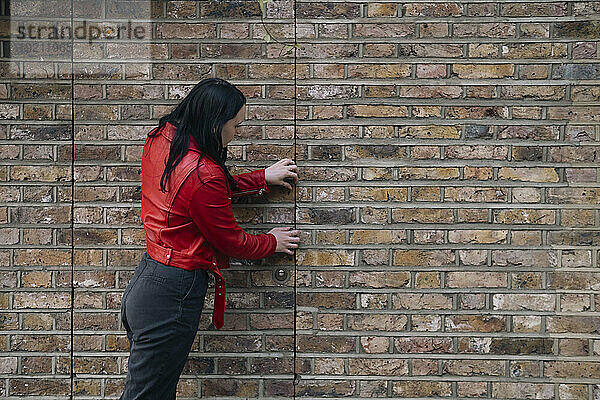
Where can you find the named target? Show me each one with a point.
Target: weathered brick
(510, 390)
(322, 92)
(573, 195)
(240, 344)
(525, 258)
(572, 391)
(32, 365)
(378, 367)
(574, 280)
(576, 258)
(475, 323)
(331, 237)
(372, 215)
(430, 132)
(363, 193)
(338, 257)
(330, 322)
(574, 324)
(421, 301)
(375, 344)
(382, 322)
(230, 387)
(325, 344)
(572, 369)
(40, 343)
(37, 321)
(422, 215)
(382, 9)
(526, 323)
(328, 10)
(426, 323)
(425, 367)
(472, 389)
(379, 50)
(469, 71)
(529, 9)
(384, 30)
(327, 300)
(493, 30)
(373, 301)
(48, 386)
(422, 388)
(482, 50)
(477, 236)
(474, 194)
(584, 50)
(538, 302)
(327, 387)
(537, 50)
(423, 345)
(527, 280)
(365, 111)
(474, 367)
(326, 153)
(476, 152)
(472, 301)
(427, 280)
(423, 257)
(42, 300)
(185, 31)
(270, 321)
(427, 173)
(379, 236)
(573, 347)
(434, 30)
(323, 51)
(428, 236)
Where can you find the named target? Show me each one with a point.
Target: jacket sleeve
(210, 209)
(250, 183)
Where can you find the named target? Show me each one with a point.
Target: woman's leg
(162, 311)
(188, 319)
(138, 271)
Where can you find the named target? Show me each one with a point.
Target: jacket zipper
(246, 191)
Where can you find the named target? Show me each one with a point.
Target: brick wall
(448, 200)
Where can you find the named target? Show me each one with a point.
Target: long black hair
(202, 114)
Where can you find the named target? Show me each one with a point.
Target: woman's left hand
(282, 169)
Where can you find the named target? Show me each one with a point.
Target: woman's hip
(163, 295)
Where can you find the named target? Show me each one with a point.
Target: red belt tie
(219, 308)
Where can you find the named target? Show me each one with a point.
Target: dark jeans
(160, 310)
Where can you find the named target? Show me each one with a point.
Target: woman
(190, 231)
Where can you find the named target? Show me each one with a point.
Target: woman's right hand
(286, 239)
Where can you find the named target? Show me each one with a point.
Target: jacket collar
(169, 131)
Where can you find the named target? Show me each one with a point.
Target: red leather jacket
(191, 225)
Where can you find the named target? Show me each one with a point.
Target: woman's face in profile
(230, 127)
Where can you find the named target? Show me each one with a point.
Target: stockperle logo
(81, 30)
